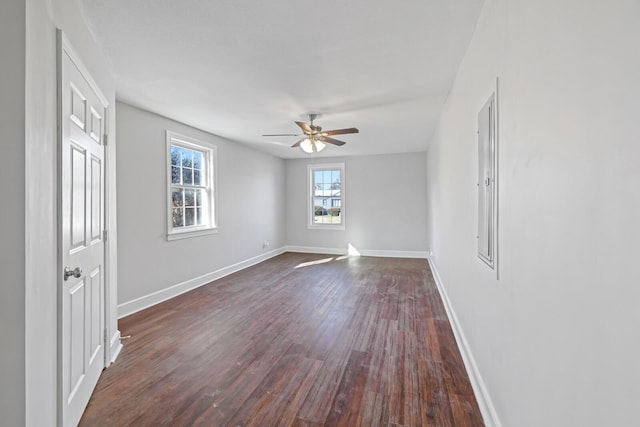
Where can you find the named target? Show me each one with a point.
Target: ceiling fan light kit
(311, 146)
(315, 139)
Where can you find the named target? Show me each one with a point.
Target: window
(326, 196)
(190, 187)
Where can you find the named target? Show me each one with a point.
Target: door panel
(75, 327)
(95, 292)
(77, 196)
(96, 126)
(96, 199)
(486, 181)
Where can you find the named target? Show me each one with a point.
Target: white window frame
(210, 157)
(311, 168)
(487, 235)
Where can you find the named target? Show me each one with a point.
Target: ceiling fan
(314, 138)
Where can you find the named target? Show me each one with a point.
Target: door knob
(76, 272)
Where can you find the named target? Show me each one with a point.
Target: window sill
(326, 227)
(192, 233)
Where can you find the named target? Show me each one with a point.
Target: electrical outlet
(265, 244)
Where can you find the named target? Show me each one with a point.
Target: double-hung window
(190, 187)
(326, 196)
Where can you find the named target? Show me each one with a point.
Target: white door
(81, 298)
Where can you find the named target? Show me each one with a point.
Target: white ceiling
(240, 69)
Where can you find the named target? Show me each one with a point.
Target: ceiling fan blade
(297, 144)
(331, 140)
(305, 127)
(283, 134)
(340, 131)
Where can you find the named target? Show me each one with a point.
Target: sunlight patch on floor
(319, 261)
(353, 251)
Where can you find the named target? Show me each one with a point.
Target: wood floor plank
(348, 398)
(299, 340)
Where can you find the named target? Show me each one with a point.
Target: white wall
(250, 207)
(385, 205)
(12, 223)
(555, 338)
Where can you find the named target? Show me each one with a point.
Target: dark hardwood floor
(299, 340)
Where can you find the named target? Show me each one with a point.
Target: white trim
(191, 233)
(138, 304)
(115, 347)
(496, 196)
(483, 398)
(211, 155)
(109, 357)
(133, 306)
(315, 250)
(364, 252)
(491, 259)
(394, 254)
(310, 211)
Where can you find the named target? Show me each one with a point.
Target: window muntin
(191, 187)
(326, 196)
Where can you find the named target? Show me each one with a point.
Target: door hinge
(105, 235)
(105, 138)
(105, 335)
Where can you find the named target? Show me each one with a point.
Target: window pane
(187, 156)
(187, 176)
(326, 177)
(335, 176)
(176, 197)
(317, 176)
(178, 219)
(175, 156)
(189, 216)
(197, 160)
(175, 174)
(189, 198)
(199, 216)
(196, 177)
(199, 198)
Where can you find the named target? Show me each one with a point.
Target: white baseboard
(115, 345)
(133, 306)
(312, 250)
(364, 252)
(483, 398)
(394, 254)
